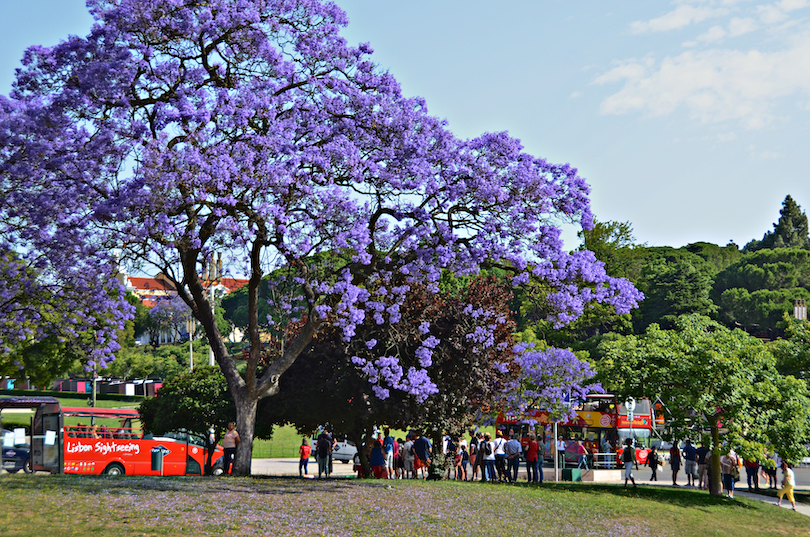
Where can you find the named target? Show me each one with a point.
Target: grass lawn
(58, 505)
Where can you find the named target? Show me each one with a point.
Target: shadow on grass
(680, 496)
(127, 485)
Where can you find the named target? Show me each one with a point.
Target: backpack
(629, 454)
(322, 448)
(487, 448)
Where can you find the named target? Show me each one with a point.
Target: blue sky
(688, 118)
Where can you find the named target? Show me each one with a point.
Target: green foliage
(760, 287)
(791, 231)
(163, 362)
(793, 351)
(708, 375)
(614, 245)
(675, 282)
(193, 400)
(719, 257)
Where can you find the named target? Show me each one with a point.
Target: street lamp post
(190, 329)
(213, 277)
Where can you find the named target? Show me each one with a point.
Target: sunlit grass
(36, 505)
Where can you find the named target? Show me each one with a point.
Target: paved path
(289, 467)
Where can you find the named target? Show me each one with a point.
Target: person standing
(675, 462)
(479, 456)
(629, 459)
(531, 459)
(407, 457)
(399, 464)
(700, 456)
(772, 462)
(488, 451)
(652, 462)
(561, 452)
(422, 450)
(730, 467)
(303, 457)
(690, 464)
(377, 461)
(465, 459)
(788, 483)
(388, 452)
(229, 443)
(512, 449)
(752, 474)
(500, 455)
(323, 450)
(607, 451)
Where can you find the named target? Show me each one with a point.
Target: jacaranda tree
(250, 127)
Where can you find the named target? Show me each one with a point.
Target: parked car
(16, 454)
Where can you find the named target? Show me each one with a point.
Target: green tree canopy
(674, 282)
(790, 231)
(614, 245)
(192, 400)
(713, 379)
(758, 289)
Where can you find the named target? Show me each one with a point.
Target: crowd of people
(498, 460)
(696, 462)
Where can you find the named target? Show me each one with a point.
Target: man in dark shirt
(422, 450)
(689, 455)
(700, 457)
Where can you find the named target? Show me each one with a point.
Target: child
(303, 453)
(465, 458)
(652, 462)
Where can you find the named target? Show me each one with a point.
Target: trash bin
(157, 459)
(572, 474)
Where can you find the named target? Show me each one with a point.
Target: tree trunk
(363, 448)
(245, 426)
(715, 487)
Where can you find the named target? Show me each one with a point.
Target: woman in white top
(788, 482)
(487, 450)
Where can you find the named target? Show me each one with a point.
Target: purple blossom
(254, 128)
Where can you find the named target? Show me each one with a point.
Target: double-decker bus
(111, 445)
(600, 421)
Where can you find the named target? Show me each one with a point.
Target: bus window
(642, 408)
(641, 436)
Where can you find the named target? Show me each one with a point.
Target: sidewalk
(801, 508)
(289, 467)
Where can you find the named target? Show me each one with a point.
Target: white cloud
(713, 85)
(681, 16)
(576, 94)
(739, 26)
(715, 33)
(778, 12)
(727, 137)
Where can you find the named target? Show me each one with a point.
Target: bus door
(46, 439)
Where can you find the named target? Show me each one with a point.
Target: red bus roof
(83, 412)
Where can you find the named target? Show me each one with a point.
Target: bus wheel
(114, 469)
(27, 466)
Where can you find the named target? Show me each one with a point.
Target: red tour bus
(600, 422)
(114, 447)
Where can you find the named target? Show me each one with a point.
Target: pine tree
(791, 231)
